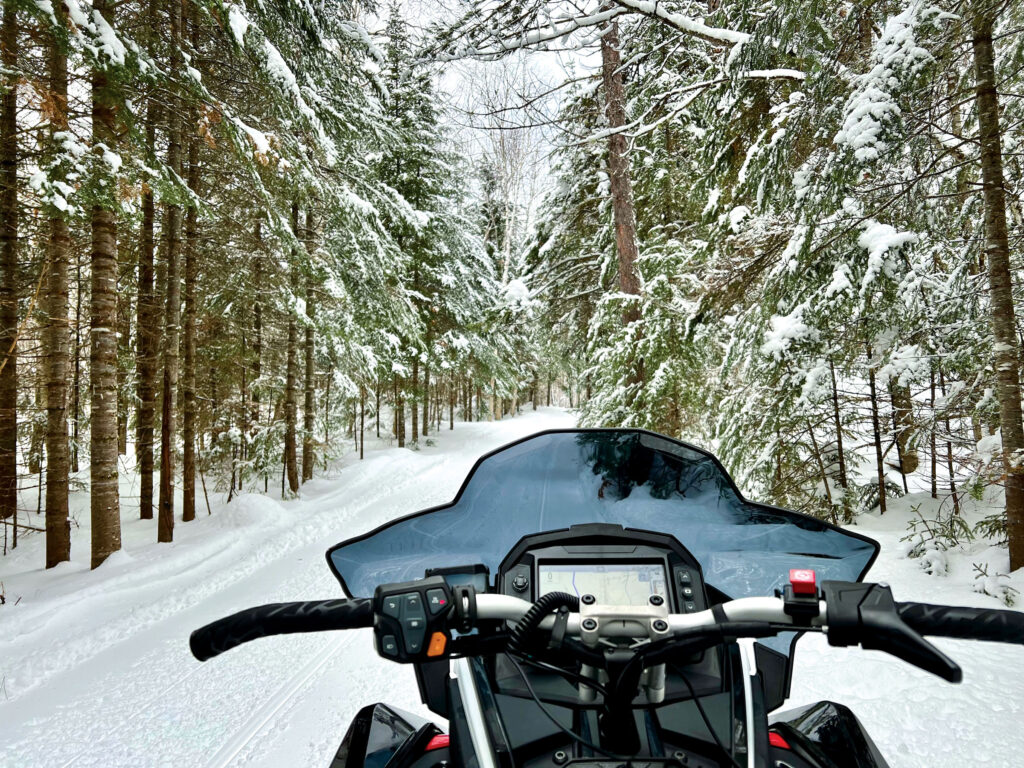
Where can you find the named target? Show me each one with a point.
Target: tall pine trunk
(877, 434)
(257, 329)
(105, 509)
(292, 374)
(76, 379)
(1000, 277)
(412, 391)
(9, 281)
(309, 384)
(55, 339)
(148, 336)
(426, 398)
(125, 293)
(148, 320)
(172, 250)
(188, 389)
(840, 451)
(620, 181)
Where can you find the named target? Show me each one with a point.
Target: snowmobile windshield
(631, 478)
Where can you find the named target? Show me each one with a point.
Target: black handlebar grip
(989, 624)
(279, 619)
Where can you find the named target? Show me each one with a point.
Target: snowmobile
(607, 598)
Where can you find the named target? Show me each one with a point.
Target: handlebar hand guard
(866, 615)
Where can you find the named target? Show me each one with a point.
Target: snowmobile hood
(629, 477)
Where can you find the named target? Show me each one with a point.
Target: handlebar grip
(279, 619)
(990, 624)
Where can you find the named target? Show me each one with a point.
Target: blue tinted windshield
(630, 478)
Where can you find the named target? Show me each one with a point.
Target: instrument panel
(618, 566)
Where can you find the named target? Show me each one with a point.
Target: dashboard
(617, 566)
(610, 583)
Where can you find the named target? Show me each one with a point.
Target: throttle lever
(866, 615)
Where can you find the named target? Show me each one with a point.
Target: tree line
(790, 230)
(233, 239)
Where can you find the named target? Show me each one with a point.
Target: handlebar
(849, 613)
(279, 619)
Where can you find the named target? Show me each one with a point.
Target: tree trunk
(362, 420)
(415, 384)
(105, 510)
(399, 413)
(188, 389)
(880, 464)
(257, 328)
(55, 339)
(824, 475)
(172, 250)
(841, 454)
(292, 373)
(125, 292)
(949, 451)
(932, 447)
(620, 182)
(76, 383)
(997, 251)
(309, 405)
(426, 400)
(148, 336)
(903, 423)
(9, 281)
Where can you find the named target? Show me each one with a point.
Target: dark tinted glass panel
(630, 478)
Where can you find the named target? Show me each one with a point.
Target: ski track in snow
(97, 671)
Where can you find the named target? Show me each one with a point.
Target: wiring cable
(568, 732)
(705, 718)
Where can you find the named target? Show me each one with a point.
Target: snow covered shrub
(997, 586)
(929, 540)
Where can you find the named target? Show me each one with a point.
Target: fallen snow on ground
(95, 667)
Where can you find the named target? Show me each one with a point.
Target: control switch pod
(405, 614)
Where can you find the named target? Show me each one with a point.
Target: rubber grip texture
(989, 624)
(279, 619)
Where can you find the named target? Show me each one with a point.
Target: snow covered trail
(96, 666)
(96, 669)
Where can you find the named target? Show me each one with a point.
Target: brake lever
(866, 615)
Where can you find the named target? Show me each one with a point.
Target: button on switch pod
(392, 606)
(436, 601)
(414, 622)
(438, 641)
(389, 645)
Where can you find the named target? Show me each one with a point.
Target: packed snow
(95, 668)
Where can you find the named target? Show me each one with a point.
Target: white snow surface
(96, 671)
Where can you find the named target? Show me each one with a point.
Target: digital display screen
(610, 583)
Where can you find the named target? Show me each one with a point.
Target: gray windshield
(627, 477)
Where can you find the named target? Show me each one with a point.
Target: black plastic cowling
(279, 619)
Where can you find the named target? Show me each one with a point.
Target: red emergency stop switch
(803, 581)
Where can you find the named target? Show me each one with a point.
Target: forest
(238, 239)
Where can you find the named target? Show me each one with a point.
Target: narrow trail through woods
(101, 657)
